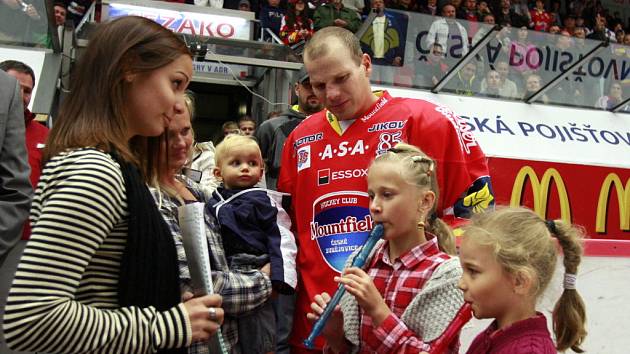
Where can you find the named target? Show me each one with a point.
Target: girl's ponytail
(569, 314)
(445, 237)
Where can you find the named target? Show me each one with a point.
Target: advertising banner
(595, 197)
(196, 24)
(193, 23)
(219, 69)
(542, 133)
(570, 164)
(432, 46)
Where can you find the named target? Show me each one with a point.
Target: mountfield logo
(623, 197)
(540, 190)
(341, 223)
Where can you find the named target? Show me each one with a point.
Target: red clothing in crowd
(542, 20)
(291, 34)
(529, 336)
(36, 135)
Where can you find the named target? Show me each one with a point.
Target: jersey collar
(383, 98)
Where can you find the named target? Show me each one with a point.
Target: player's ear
(425, 202)
(366, 62)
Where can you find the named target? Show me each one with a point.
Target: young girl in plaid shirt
(408, 294)
(508, 258)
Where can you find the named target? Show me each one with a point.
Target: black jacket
(271, 136)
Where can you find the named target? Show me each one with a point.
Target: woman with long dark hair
(296, 24)
(100, 272)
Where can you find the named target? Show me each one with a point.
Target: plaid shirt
(399, 282)
(242, 291)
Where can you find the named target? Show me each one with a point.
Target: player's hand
(361, 286)
(205, 315)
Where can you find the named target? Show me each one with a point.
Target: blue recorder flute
(358, 261)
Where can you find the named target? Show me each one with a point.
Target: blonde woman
(242, 290)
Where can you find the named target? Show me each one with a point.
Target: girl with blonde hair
(408, 294)
(508, 258)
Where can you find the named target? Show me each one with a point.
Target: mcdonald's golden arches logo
(623, 196)
(540, 190)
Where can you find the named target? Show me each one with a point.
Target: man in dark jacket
(506, 15)
(35, 132)
(15, 189)
(271, 16)
(272, 133)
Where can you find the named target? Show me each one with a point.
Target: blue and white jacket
(253, 221)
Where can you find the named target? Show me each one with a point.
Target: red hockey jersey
(325, 172)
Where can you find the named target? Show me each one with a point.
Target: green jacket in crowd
(325, 16)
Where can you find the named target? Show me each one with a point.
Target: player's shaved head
(333, 39)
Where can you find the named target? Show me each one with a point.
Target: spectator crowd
(459, 25)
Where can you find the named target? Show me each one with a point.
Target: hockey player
(325, 162)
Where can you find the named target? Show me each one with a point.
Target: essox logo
(325, 176)
(623, 197)
(540, 190)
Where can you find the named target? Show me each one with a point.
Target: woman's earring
(420, 225)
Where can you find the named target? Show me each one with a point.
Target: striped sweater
(64, 296)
